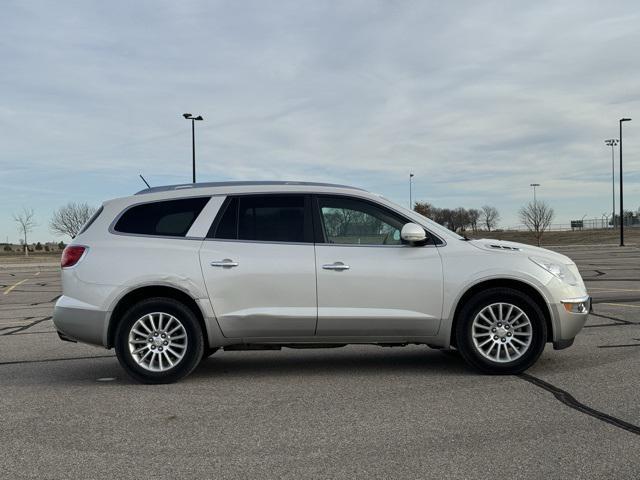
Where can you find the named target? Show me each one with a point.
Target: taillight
(71, 255)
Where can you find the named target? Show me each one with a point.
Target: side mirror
(412, 233)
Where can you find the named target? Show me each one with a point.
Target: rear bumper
(79, 321)
(568, 324)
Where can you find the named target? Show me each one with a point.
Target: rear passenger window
(171, 218)
(268, 218)
(228, 226)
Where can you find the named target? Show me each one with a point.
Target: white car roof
(227, 185)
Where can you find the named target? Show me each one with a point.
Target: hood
(506, 247)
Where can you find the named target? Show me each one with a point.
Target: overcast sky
(477, 99)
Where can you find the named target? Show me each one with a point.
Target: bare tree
(68, 220)
(446, 217)
(25, 222)
(440, 215)
(423, 208)
(461, 219)
(474, 216)
(458, 219)
(537, 216)
(489, 216)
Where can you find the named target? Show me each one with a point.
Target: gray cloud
(478, 99)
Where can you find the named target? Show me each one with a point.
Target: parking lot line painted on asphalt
(620, 305)
(604, 290)
(8, 290)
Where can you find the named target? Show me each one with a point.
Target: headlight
(578, 306)
(557, 269)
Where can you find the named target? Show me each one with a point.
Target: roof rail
(189, 186)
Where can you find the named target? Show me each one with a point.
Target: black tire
(477, 303)
(194, 348)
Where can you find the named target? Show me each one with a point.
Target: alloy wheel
(157, 341)
(502, 332)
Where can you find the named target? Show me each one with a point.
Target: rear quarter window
(170, 218)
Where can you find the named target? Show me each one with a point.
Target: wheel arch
(519, 285)
(150, 291)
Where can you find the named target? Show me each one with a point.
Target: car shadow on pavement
(321, 362)
(354, 362)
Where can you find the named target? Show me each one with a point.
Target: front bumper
(80, 321)
(567, 324)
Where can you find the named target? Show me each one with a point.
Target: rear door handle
(227, 262)
(335, 266)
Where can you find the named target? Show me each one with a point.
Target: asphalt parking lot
(68, 410)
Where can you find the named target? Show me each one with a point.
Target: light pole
(534, 185)
(621, 201)
(193, 119)
(410, 192)
(612, 142)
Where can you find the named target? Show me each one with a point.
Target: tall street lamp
(410, 192)
(193, 119)
(621, 206)
(534, 185)
(612, 142)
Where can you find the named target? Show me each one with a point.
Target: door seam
(315, 264)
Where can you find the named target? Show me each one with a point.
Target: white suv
(172, 274)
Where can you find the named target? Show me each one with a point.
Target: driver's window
(356, 222)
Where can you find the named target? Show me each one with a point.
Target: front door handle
(335, 266)
(227, 262)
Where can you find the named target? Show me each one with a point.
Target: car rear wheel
(501, 331)
(159, 340)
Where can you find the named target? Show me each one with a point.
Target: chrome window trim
(373, 246)
(313, 243)
(272, 242)
(163, 237)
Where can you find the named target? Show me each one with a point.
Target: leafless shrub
(460, 219)
(26, 223)
(69, 219)
(537, 216)
(489, 216)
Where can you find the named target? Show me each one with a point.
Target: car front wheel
(159, 340)
(501, 331)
